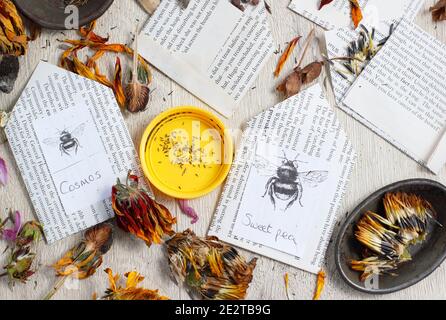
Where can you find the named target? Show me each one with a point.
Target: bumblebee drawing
(287, 183)
(67, 141)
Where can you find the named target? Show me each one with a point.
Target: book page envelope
(70, 142)
(212, 49)
(287, 181)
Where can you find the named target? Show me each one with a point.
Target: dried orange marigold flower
(137, 213)
(208, 267)
(130, 291)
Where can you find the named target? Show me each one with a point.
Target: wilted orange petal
(320, 285)
(356, 12)
(286, 54)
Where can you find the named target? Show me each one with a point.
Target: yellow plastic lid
(186, 152)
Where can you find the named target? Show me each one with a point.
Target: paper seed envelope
(212, 49)
(401, 95)
(338, 42)
(287, 181)
(70, 143)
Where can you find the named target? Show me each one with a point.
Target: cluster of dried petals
(208, 267)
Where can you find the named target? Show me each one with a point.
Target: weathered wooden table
(379, 164)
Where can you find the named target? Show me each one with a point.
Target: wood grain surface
(378, 164)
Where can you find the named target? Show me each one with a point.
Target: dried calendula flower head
(82, 261)
(137, 213)
(374, 233)
(210, 268)
(131, 290)
(374, 266)
(13, 40)
(410, 213)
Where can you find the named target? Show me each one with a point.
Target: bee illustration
(286, 182)
(67, 141)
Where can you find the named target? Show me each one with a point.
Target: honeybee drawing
(67, 141)
(286, 182)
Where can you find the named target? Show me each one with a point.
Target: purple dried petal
(11, 234)
(188, 210)
(3, 173)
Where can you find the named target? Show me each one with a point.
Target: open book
(287, 181)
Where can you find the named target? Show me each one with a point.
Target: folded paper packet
(70, 142)
(290, 173)
(401, 95)
(211, 48)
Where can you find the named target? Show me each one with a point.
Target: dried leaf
(13, 40)
(286, 54)
(209, 267)
(439, 11)
(130, 291)
(324, 3)
(320, 285)
(356, 13)
(311, 72)
(292, 84)
(299, 77)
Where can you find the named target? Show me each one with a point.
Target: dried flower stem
(306, 47)
(55, 288)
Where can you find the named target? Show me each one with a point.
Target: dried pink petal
(3, 172)
(11, 234)
(188, 210)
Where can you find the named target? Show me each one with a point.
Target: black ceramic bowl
(51, 13)
(426, 257)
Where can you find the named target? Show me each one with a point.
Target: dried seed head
(137, 96)
(374, 266)
(375, 236)
(208, 267)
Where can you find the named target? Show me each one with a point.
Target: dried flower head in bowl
(137, 213)
(394, 238)
(209, 268)
(387, 240)
(131, 291)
